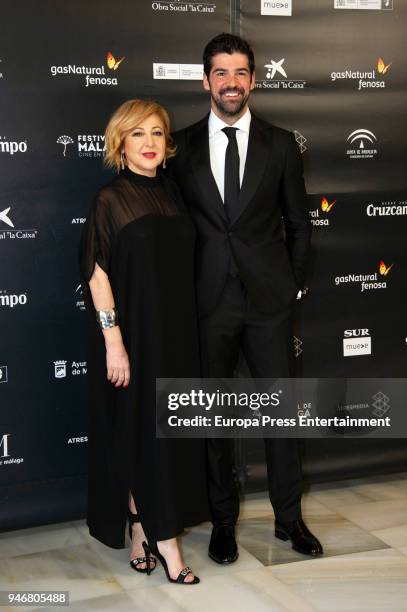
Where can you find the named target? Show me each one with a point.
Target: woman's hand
(117, 363)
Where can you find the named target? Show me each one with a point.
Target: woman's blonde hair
(123, 121)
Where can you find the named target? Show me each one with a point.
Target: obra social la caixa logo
(8, 231)
(367, 282)
(320, 216)
(277, 77)
(92, 75)
(6, 456)
(370, 79)
(85, 145)
(178, 6)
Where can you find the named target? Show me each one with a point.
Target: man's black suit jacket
(268, 231)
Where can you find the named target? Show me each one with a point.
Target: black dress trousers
(266, 343)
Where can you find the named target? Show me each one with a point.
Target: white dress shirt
(218, 142)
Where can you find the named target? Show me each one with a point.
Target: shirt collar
(215, 124)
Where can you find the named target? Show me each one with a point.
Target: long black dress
(140, 234)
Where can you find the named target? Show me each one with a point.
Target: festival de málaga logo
(320, 216)
(371, 79)
(85, 145)
(92, 75)
(377, 280)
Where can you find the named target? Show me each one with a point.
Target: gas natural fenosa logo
(368, 282)
(112, 62)
(93, 75)
(383, 269)
(370, 79)
(322, 219)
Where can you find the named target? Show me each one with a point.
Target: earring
(122, 160)
(164, 164)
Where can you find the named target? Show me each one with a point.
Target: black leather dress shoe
(303, 541)
(223, 547)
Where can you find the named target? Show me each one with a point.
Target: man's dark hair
(226, 43)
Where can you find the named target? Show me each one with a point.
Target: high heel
(134, 563)
(152, 548)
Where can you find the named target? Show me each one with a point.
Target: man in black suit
(242, 180)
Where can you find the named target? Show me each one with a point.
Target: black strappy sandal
(153, 548)
(134, 563)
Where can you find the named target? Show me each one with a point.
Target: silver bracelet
(107, 318)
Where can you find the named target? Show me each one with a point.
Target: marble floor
(362, 524)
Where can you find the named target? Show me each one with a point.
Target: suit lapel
(258, 151)
(201, 165)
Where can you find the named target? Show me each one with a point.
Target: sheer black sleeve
(97, 237)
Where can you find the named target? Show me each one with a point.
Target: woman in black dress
(137, 257)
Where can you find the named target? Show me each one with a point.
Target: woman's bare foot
(137, 539)
(172, 554)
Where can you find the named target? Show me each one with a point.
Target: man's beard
(230, 109)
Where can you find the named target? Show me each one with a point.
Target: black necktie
(232, 165)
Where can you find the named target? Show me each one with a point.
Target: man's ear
(205, 83)
(253, 81)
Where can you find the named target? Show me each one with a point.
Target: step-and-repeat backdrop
(332, 71)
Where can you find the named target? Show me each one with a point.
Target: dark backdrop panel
(51, 149)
